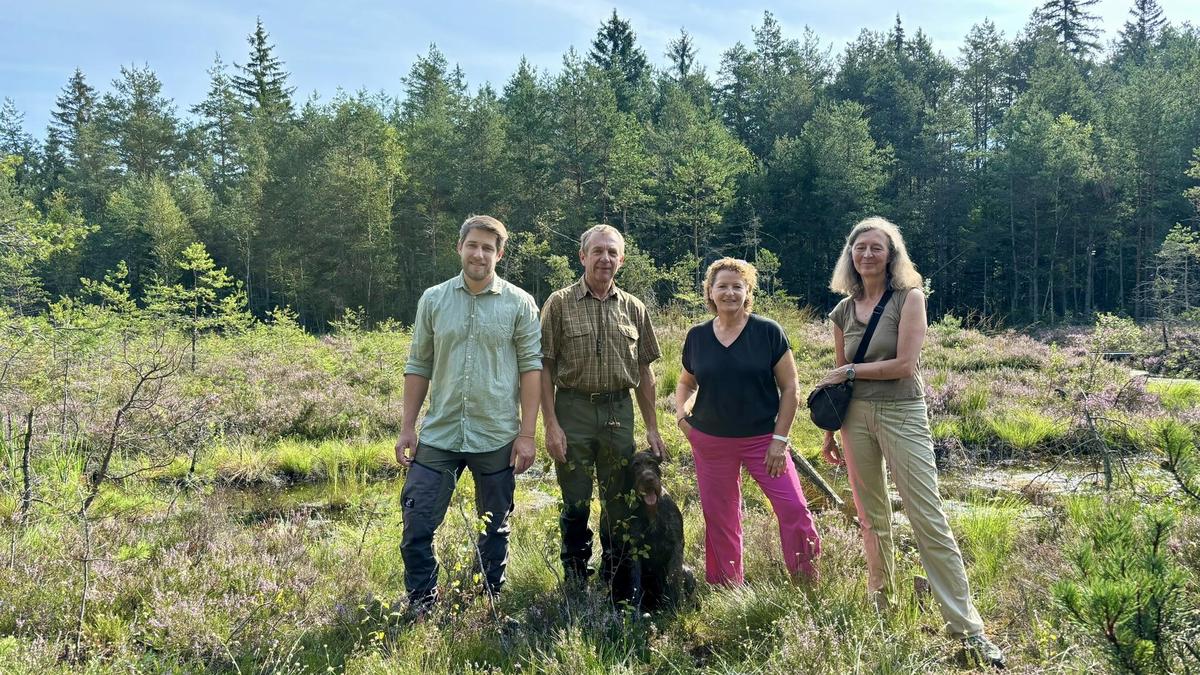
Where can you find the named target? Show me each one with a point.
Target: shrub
(1114, 333)
(1128, 591)
(1181, 457)
(1182, 359)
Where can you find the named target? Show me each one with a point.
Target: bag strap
(870, 332)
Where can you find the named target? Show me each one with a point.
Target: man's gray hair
(600, 229)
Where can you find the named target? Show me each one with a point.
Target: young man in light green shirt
(476, 351)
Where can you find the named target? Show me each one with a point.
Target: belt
(599, 396)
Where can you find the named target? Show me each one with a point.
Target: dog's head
(647, 480)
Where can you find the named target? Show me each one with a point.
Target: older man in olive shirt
(597, 344)
(476, 351)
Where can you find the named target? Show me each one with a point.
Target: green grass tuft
(1176, 396)
(1026, 429)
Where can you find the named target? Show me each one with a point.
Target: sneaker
(981, 651)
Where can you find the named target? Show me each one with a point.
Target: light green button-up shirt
(473, 349)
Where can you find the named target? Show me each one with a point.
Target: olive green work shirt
(597, 345)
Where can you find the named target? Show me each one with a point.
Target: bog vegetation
(202, 345)
(186, 498)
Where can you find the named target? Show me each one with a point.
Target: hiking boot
(421, 606)
(980, 651)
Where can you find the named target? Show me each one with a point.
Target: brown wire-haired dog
(666, 581)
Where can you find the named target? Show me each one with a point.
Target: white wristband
(777, 437)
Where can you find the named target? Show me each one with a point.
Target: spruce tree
(615, 52)
(685, 72)
(75, 107)
(1140, 33)
(14, 140)
(263, 82)
(1072, 24)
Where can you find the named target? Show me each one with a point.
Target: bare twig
(86, 566)
(26, 469)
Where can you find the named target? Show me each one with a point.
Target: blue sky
(370, 44)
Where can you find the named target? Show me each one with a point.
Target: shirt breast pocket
(579, 341)
(496, 333)
(629, 337)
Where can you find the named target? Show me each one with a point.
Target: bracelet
(785, 439)
(525, 435)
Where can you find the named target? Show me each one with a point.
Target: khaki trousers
(898, 432)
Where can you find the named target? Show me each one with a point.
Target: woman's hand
(683, 425)
(776, 460)
(835, 376)
(830, 450)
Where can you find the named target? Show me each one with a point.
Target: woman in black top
(735, 401)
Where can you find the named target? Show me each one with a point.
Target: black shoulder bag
(827, 404)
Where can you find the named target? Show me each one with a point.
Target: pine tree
(483, 185)
(263, 82)
(141, 123)
(735, 93)
(206, 300)
(222, 132)
(13, 138)
(681, 51)
(685, 73)
(529, 160)
(429, 121)
(27, 239)
(785, 94)
(697, 168)
(897, 37)
(585, 113)
(982, 84)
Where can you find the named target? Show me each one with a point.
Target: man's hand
(776, 459)
(556, 442)
(657, 447)
(407, 441)
(523, 453)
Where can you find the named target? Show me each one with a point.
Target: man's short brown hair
(487, 224)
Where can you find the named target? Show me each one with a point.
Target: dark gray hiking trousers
(426, 496)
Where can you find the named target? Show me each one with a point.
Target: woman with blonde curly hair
(735, 401)
(887, 422)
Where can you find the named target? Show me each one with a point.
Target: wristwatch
(850, 372)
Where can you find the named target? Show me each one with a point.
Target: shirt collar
(582, 290)
(493, 287)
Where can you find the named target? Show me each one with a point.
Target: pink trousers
(718, 475)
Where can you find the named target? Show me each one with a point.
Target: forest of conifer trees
(1036, 176)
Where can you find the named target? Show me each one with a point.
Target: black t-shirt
(738, 396)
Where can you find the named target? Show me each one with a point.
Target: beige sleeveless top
(882, 348)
